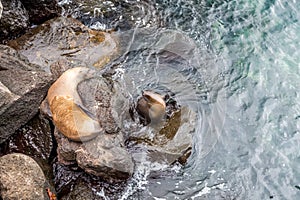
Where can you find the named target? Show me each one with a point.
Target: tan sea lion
(68, 114)
(151, 106)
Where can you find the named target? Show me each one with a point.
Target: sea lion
(151, 106)
(69, 115)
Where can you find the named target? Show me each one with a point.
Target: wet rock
(14, 20)
(33, 139)
(106, 155)
(169, 143)
(41, 10)
(72, 183)
(21, 94)
(115, 14)
(21, 178)
(66, 39)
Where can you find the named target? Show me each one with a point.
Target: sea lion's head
(151, 106)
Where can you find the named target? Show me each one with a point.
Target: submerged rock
(66, 39)
(21, 178)
(14, 20)
(21, 91)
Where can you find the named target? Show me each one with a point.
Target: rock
(33, 139)
(10, 59)
(114, 14)
(21, 93)
(72, 183)
(41, 10)
(14, 20)
(67, 39)
(21, 178)
(105, 156)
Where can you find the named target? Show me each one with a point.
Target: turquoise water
(257, 154)
(247, 142)
(237, 65)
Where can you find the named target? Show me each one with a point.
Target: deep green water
(239, 69)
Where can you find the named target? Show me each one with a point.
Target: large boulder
(14, 19)
(21, 91)
(21, 178)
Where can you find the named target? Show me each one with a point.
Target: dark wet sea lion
(68, 114)
(151, 106)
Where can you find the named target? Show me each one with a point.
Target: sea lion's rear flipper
(86, 111)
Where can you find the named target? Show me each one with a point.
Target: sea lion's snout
(151, 106)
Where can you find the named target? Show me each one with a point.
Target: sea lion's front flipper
(86, 111)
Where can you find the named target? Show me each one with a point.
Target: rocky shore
(33, 147)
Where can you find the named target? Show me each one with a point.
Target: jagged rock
(41, 10)
(21, 178)
(14, 20)
(104, 156)
(21, 91)
(66, 39)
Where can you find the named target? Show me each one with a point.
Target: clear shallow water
(241, 74)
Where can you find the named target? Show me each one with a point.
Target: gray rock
(11, 59)
(21, 93)
(106, 156)
(14, 19)
(21, 178)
